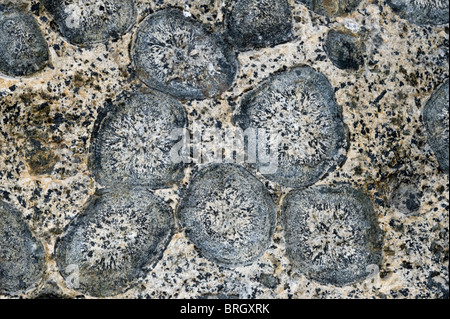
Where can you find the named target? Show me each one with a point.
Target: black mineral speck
(332, 234)
(422, 12)
(112, 243)
(23, 49)
(133, 138)
(22, 256)
(228, 214)
(178, 55)
(344, 50)
(84, 22)
(436, 121)
(260, 23)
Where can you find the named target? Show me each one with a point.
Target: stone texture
(406, 198)
(85, 22)
(47, 121)
(23, 49)
(22, 256)
(259, 23)
(422, 12)
(344, 50)
(228, 214)
(114, 241)
(132, 140)
(332, 234)
(436, 121)
(331, 8)
(300, 108)
(176, 54)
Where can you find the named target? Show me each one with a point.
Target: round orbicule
(302, 123)
(260, 23)
(228, 214)
(84, 22)
(422, 12)
(178, 55)
(133, 138)
(118, 238)
(332, 234)
(331, 8)
(23, 49)
(344, 50)
(435, 117)
(22, 256)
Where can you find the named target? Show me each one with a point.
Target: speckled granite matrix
(47, 119)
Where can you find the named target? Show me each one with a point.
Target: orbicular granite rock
(297, 107)
(117, 238)
(23, 49)
(228, 214)
(84, 22)
(260, 23)
(132, 140)
(422, 12)
(332, 234)
(22, 256)
(436, 120)
(82, 161)
(178, 55)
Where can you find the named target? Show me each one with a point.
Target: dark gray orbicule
(332, 234)
(436, 121)
(177, 55)
(344, 50)
(260, 23)
(228, 214)
(299, 108)
(84, 22)
(422, 12)
(23, 49)
(133, 138)
(22, 256)
(117, 238)
(331, 8)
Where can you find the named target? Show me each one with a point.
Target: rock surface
(85, 22)
(176, 54)
(436, 121)
(23, 49)
(228, 214)
(113, 242)
(132, 140)
(49, 119)
(422, 12)
(344, 50)
(259, 23)
(332, 234)
(22, 256)
(331, 8)
(299, 108)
